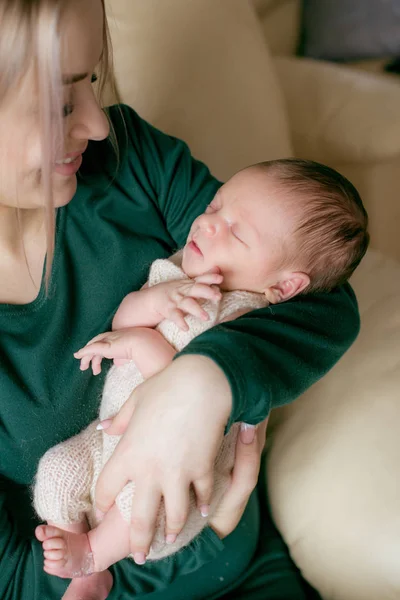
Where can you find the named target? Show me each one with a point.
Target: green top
(121, 219)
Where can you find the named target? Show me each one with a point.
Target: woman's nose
(89, 122)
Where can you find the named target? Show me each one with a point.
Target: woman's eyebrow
(70, 79)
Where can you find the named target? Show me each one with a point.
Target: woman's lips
(68, 169)
(194, 248)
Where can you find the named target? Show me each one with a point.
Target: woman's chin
(63, 195)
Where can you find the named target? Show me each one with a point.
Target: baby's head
(281, 228)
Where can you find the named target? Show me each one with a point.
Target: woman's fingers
(168, 440)
(203, 489)
(121, 420)
(243, 481)
(247, 433)
(176, 501)
(110, 482)
(145, 507)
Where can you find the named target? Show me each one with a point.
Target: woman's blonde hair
(31, 28)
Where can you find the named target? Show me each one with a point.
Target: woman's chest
(44, 397)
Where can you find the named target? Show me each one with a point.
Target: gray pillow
(350, 29)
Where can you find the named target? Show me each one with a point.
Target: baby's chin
(188, 269)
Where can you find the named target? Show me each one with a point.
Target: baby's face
(242, 232)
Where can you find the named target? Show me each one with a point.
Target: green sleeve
(178, 184)
(270, 356)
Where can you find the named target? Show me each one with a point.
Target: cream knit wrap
(67, 473)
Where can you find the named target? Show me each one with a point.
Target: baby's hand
(112, 344)
(175, 299)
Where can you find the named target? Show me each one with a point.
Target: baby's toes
(43, 532)
(52, 567)
(58, 555)
(40, 533)
(55, 543)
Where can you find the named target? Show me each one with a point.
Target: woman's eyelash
(68, 109)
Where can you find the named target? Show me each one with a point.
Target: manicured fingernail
(247, 433)
(139, 558)
(99, 514)
(204, 510)
(171, 538)
(104, 424)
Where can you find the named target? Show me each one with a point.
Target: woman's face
(20, 143)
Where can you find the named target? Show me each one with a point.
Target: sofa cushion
(201, 71)
(280, 22)
(350, 29)
(335, 454)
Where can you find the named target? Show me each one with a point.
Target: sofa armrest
(338, 114)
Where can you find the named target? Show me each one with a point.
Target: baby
(273, 231)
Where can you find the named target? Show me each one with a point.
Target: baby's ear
(289, 286)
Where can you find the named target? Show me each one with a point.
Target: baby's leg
(76, 554)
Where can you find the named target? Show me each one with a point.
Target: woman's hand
(249, 447)
(169, 445)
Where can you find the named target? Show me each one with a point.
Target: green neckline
(42, 297)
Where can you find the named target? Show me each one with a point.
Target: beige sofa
(202, 70)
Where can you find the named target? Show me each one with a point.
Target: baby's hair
(331, 235)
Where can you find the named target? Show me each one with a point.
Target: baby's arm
(169, 300)
(137, 309)
(143, 310)
(146, 347)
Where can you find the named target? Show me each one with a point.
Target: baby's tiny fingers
(85, 362)
(102, 348)
(201, 290)
(99, 337)
(177, 317)
(209, 278)
(192, 307)
(96, 364)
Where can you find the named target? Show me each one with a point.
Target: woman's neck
(22, 254)
(20, 231)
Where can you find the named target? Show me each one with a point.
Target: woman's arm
(269, 356)
(263, 359)
(272, 355)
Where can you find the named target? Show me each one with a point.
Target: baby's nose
(210, 229)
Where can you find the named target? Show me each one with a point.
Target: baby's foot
(93, 587)
(65, 554)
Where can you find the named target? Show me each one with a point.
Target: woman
(124, 209)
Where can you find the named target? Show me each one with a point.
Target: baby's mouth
(194, 248)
